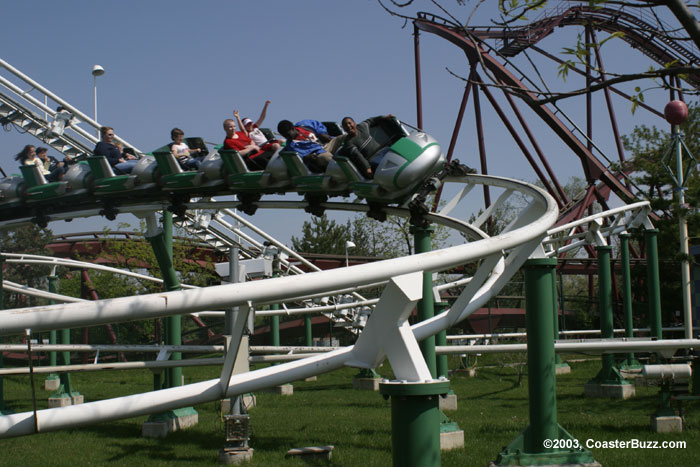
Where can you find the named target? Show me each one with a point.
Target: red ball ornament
(676, 112)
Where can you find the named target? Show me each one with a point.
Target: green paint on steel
(433, 388)
(426, 306)
(52, 334)
(441, 340)
(516, 453)
(653, 281)
(540, 351)
(410, 151)
(415, 422)
(630, 362)
(609, 373)
(528, 447)
(162, 248)
(308, 335)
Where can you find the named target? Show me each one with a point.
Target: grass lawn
(492, 411)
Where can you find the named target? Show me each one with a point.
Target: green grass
(492, 411)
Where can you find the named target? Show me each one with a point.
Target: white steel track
(498, 257)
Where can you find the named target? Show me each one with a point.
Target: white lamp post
(348, 245)
(97, 70)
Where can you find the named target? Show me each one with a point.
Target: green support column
(308, 335)
(609, 374)
(415, 418)
(529, 446)
(172, 282)
(162, 246)
(426, 310)
(441, 340)
(426, 307)
(52, 380)
(275, 328)
(560, 367)
(653, 282)
(65, 389)
(630, 362)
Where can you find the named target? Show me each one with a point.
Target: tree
(321, 235)
(28, 239)
(651, 150)
(389, 239)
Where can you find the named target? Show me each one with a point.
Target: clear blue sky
(189, 64)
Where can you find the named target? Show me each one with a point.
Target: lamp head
(97, 70)
(676, 112)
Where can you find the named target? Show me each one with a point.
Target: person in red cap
(255, 133)
(255, 157)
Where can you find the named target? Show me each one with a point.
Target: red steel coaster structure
(491, 50)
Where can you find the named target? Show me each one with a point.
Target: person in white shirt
(255, 133)
(182, 151)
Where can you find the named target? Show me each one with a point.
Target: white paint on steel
(503, 254)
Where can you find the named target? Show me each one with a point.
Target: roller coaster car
(172, 177)
(13, 190)
(106, 181)
(272, 179)
(38, 189)
(332, 182)
(80, 178)
(403, 163)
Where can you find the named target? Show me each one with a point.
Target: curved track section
(499, 258)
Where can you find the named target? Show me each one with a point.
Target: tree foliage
(389, 239)
(28, 239)
(653, 157)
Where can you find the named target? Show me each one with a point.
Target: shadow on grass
(375, 404)
(158, 452)
(374, 432)
(122, 434)
(325, 387)
(272, 443)
(492, 393)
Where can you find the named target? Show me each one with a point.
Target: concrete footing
(52, 384)
(282, 390)
(311, 378)
(451, 440)
(666, 424)
(367, 384)
(313, 453)
(158, 426)
(610, 391)
(562, 369)
(235, 456)
(64, 400)
(448, 402)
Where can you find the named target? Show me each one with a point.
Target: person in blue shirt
(307, 143)
(123, 162)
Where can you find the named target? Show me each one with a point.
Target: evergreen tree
(321, 235)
